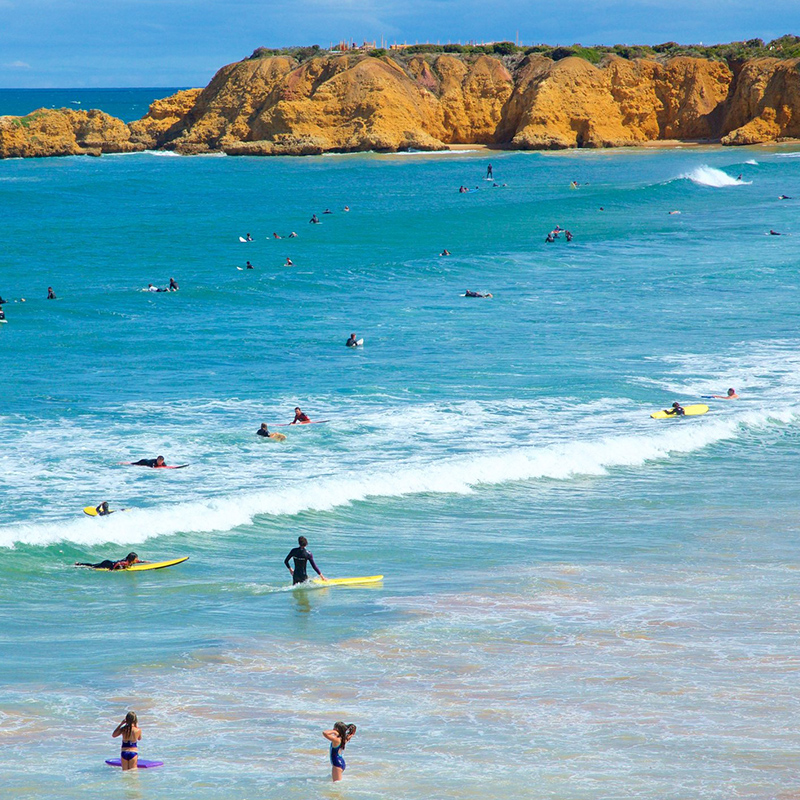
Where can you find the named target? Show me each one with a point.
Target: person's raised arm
(332, 736)
(118, 729)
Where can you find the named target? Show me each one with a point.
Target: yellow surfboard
(348, 581)
(154, 565)
(691, 411)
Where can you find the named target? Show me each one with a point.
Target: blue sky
(87, 43)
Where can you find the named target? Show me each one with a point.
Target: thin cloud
(17, 65)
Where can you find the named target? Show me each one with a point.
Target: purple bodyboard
(142, 763)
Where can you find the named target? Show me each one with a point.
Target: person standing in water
(338, 736)
(302, 558)
(131, 734)
(489, 173)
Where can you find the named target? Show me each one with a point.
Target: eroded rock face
(275, 106)
(63, 132)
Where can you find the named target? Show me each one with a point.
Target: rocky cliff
(275, 105)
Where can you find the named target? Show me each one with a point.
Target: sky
(168, 43)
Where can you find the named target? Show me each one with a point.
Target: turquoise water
(126, 104)
(579, 601)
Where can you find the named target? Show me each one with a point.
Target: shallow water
(578, 601)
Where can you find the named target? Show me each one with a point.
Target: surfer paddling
(123, 563)
(154, 463)
(731, 395)
(677, 410)
(302, 558)
(265, 432)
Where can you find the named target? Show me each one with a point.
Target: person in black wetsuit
(676, 410)
(150, 462)
(301, 558)
(173, 287)
(263, 430)
(51, 295)
(123, 563)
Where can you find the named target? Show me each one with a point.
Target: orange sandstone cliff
(275, 105)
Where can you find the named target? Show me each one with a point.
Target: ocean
(578, 601)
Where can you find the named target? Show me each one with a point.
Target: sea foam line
(458, 475)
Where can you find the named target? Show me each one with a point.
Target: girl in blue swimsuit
(130, 732)
(339, 736)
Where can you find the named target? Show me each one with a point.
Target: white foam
(456, 475)
(711, 176)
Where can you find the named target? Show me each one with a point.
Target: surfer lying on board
(150, 462)
(677, 409)
(468, 293)
(265, 432)
(123, 563)
(299, 416)
(731, 395)
(301, 557)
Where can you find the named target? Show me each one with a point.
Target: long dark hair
(130, 722)
(346, 732)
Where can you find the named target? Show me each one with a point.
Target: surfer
(275, 236)
(131, 734)
(173, 287)
(346, 208)
(469, 293)
(103, 509)
(568, 235)
(314, 219)
(676, 410)
(292, 235)
(339, 736)
(352, 341)
(248, 238)
(784, 197)
(774, 233)
(327, 211)
(489, 173)
(302, 558)
(2, 301)
(264, 431)
(289, 262)
(550, 238)
(51, 295)
(445, 252)
(149, 462)
(299, 416)
(2, 314)
(123, 563)
(249, 266)
(731, 395)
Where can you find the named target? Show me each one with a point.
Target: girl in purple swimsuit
(339, 736)
(130, 732)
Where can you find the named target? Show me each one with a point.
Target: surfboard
(141, 763)
(134, 464)
(359, 343)
(691, 411)
(347, 581)
(310, 422)
(154, 565)
(242, 239)
(3, 321)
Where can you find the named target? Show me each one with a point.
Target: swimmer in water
(784, 197)
(445, 253)
(249, 266)
(289, 262)
(173, 287)
(346, 208)
(292, 235)
(338, 736)
(51, 295)
(131, 735)
(123, 563)
(275, 236)
(299, 416)
(568, 235)
(302, 558)
(731, 395)
(352, 341)
(774, 233)
(327, 211)
(469, 293)
(550, 238)
(314, 219)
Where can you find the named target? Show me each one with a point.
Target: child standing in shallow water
(131, 734)
(339, 736)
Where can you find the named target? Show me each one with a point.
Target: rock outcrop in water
(277, 106)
